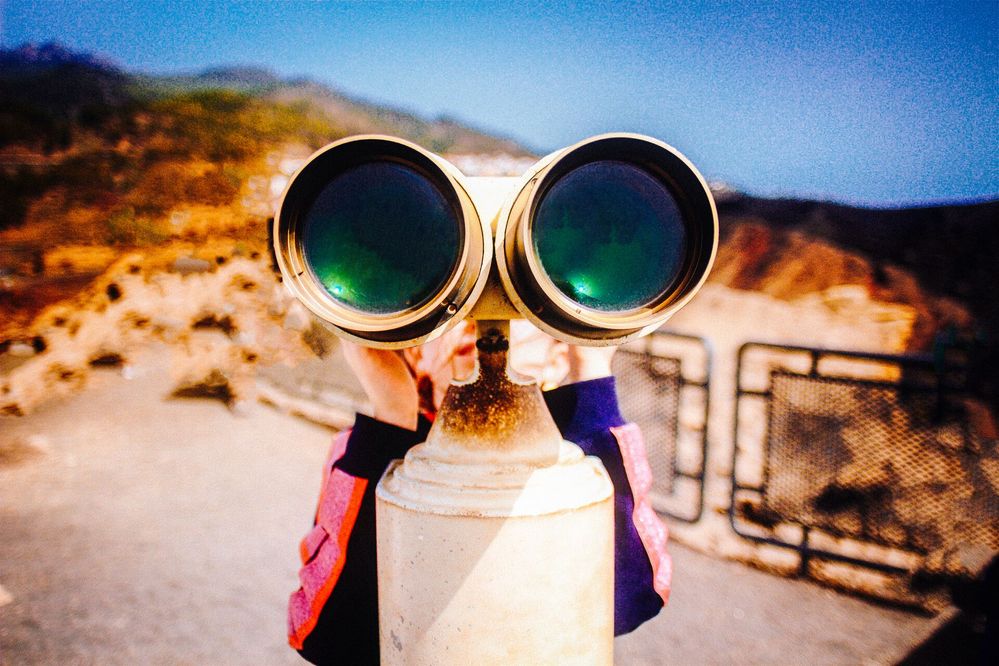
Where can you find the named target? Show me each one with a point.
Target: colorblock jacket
(333, 616)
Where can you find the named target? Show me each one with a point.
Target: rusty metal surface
(496, 413)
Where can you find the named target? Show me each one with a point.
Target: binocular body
(598, 243)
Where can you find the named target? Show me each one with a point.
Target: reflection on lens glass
(610, 236)
(381, 238)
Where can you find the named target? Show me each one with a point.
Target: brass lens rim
(393, 330)
(537, 297)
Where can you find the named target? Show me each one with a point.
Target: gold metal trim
(554, 312)
(407, 327)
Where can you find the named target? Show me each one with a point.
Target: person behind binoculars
(333, 616)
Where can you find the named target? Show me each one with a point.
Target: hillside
(940, 260)
(352, 116)
(787, 248)
(92, 156)
(108, 140)
(96, 162)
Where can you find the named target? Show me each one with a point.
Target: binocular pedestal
(495, 536)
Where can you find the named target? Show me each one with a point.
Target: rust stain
(498, 410)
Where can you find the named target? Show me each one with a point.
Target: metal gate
(663, 387)
(863, 458)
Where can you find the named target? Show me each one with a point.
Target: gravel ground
(135, 528)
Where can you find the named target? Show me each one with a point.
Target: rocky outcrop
(791, 265)
(219, 310)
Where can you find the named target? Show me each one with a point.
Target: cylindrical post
(495, 536)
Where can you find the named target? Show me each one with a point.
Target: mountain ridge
(103, 156)
(443, 133)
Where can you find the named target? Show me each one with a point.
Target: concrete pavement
(138, 528)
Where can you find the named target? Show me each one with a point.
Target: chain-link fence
(663, 387)
(863, 458)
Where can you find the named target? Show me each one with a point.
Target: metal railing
(867, 459)
(663, 386)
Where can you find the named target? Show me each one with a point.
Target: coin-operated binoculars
(495, 536)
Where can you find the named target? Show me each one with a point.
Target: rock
(5, 596)
(214, 385)
(21, 350)
(40, 443)
(297, 319)
(78, 259)
(188, 265)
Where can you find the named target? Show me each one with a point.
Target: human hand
(401, 384)
(388, 382)
(436, 363)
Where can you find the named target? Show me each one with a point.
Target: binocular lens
(599, 243)
(610, 236)
(606, 239)
(381, 238)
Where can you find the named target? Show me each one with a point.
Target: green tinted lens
(610, 236)
(381, 238)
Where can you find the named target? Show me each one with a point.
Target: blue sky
(879, 103)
